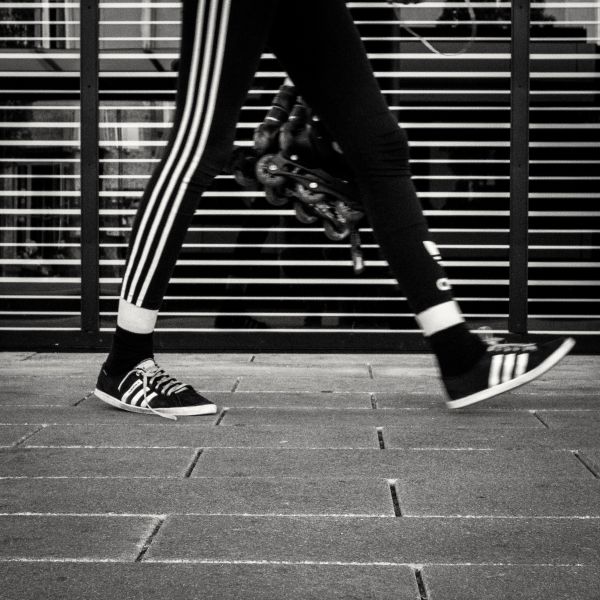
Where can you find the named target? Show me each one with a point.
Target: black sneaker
(504, 367)
(148, 389)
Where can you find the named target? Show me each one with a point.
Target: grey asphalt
(322, 476)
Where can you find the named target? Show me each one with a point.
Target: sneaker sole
(544, 366)
(179, 411)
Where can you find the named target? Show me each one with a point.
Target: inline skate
(295, 160)
(310, 171)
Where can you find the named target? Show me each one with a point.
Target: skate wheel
(275, 196)
(266, 172)
(307, 195)
(303, 216)
(334, 232)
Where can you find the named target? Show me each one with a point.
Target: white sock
(135, 318)
(439, 317)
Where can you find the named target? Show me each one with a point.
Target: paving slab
(528, 399)
(392, 464)
(182, 358)
(15, 378)
(65, 357)
(98, 462)
(293, 400)
(591, 458)
(206, 582)
(200, 365)
(44, 391)
(11, 434)
(28, 400)
(379, 418)
(81, 380)
(578, 420)
(575, 439)
(316, 359)
(565, 380)
(366, 540)
(514, 582)
(321, 383)
(404, 360)
(7, 358)
(58, 537)
(253, 370)
(426, 385)
(258, 496)
(491, 494)
(163, 358)
(421, 433)
(404, 372)
(520, 399)
(91, 410)
(411, 399)
(17, 371)
(193, 436)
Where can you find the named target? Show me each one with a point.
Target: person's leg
(222, 41)
(331, 70)
(321, 49)
(221, 47)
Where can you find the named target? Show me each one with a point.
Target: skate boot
(265, 140)
(311, 172)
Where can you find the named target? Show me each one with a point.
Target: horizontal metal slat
(548, 186)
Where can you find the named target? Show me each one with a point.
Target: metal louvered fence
(504, 123)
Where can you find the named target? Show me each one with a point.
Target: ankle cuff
(439, 317)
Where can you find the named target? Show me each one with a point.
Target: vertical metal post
(89, 164)
(519, 167)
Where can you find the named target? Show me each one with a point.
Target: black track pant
(319, 46)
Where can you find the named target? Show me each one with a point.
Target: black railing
(519, 167)
(90, 168)
(501, 234)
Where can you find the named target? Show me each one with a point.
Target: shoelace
(158, 380)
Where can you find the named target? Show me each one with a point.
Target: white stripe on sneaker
(508, 366)
(495, 368)
(148, 398)
(126, 395)
(522, 361)
(135, 401)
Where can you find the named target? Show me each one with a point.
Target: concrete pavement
(322, 476)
